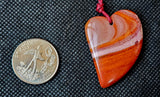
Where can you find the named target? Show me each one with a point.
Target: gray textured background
(61, 22)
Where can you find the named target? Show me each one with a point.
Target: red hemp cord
(100, 9)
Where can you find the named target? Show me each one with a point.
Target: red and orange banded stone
(116, 47)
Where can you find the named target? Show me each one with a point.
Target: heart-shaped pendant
(116, 47)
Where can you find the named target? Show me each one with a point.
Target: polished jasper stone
(116, 47)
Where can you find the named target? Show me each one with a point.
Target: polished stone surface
(116, 47)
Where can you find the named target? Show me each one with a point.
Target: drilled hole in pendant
(111, 23)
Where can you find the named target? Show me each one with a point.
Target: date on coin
(35, 61)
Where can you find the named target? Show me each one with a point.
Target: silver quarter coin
(35, 61)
